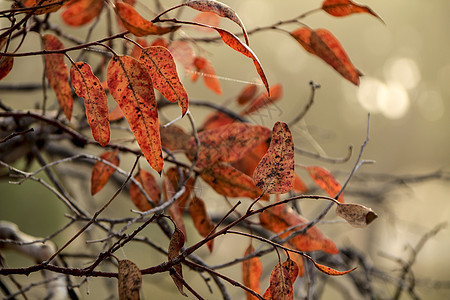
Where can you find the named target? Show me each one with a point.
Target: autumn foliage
(236, 158)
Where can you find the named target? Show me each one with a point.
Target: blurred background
(405, 88)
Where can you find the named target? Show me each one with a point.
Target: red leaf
(149, 184)
(57, 74)
(136, 51)
(227, 143)
(87, 86)
(207, 18)
(220, 9)
(247, 94)
(49, 8)
(101, 172)
(330, 271)
(136, 24)
(163, 71)
(326, 181)
(201, 219)
(236, 44)
(275, 172)
(280, 284)
(280, 218)
(276, 92)
(216, 119)
(228, 181)
(80, 12)
(342, 8)
(175, 245)
(299, 186)
(251, 272)
(250, 161)
(206, 70)
(131, 86)
(303, 35)
(160, 42)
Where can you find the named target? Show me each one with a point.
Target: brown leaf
(326, 181)
(228, 181)
(275, 172)
(6, 65)
(280, 284)
(356, 215)
(206, 70)
(48, 7)
(163, 71)
(130, 280)
(227, 143)
(81, 12)
(175, 245)
(220, 9)
(251, 272)
(88, 87)
(247, 94)
(136, 24)
(174, 138)
(58, 74)
(101, 172)
(330, 271)
(263, 100)
(131, 86)
(201, 219)
(291, 268)
(250, 161)
(342, 8)
(151, 187)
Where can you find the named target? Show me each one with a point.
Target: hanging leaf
(298, 259)
(80, 12)
(280, 218)
(228, 181)
(174, 138)
(58, 74)
(303, 36)
(175, 245)
(131, 86)
(326, 181)
(280, 284)
(173, 178)
(247, 94)
(201, 219)
(330, 271)
(263, 100)
(6, 65)
(207, 18)
(206, 70)
(342, 8)
(251, 272)
(163, 71)
(49, 5)
(292, 271)
(233, 42)
(275, 172)
(88, 87)
(136, 24)
(130, 280)
(356, 215)
(101, 172)
(226, 144)
(220, 9)
(151, 187)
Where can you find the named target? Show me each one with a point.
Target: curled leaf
(130, 280)
(251, 272)
(101, 172)
(6, 65)
(88, 87)
(342, 8)
(81, 12)
(175, 245)
(330, 271)
(326, 181)
(275, 172)
(247, 94)
(356, 215)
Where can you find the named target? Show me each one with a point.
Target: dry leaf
(101, 172)
(175, 245)
(251, 272)
(130, 280)
(356, 215)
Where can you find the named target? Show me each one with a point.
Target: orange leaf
(131, 86)
(174, 138)
(149, 184)
(228, 181)
(49, 8)
(326, 181)
(200, 217)
(280, 284)
(303, 35)
(298, 185)
(80, 12)
(116, 114)
(136, 24)
(173, 177)
(163, 71)
(136, 51)
(220, 9)
(342, 8)
(101, 172)
(330, 271)
(206, 70)
(247, 94)
(236, 44)
(276, 92)
(216, 119)
(227, 143)
(57, 74)
(175, 245)
(299, 262)
(280, 218)
(250, 161)
(87, 86)
(328, 48)
(275, 172)
(207, 18)
(251, 272)
(160, 42)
